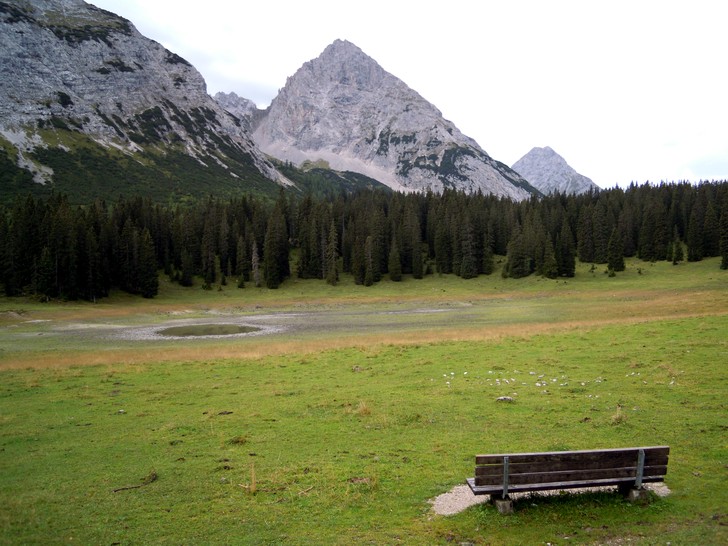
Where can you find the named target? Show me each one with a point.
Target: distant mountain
(91, 108)
(345, 109)
(243, 109)
(550, 173)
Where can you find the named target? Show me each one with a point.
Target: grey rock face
(243, 109)
(344, 108)
(67, 62)
(550, 173)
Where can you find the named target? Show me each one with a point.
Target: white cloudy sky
(624, 90)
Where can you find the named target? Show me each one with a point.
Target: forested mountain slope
(91, 108)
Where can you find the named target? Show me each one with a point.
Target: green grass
(347, 445)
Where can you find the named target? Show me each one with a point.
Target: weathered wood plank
(586, 455)
(569, 475)
(573, 464)
(524, 488)
(568, 469)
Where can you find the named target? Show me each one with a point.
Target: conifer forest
(53, 249)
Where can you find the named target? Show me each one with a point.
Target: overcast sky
(624, 90)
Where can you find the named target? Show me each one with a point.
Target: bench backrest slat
(571, 466)
(573, 463)
(593, 455)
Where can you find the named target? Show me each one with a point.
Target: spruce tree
(678, 255)
(93, 285)
(550, 268)
(585, 236)
(44, 285)
(723, 241)
(241, 268)
(711, 232)
(488, 256)
(695, 238)
(368, 262)
(187, 268)
(255, 266)
(615, 252)
(275, 250)
(468, 262)
(358, 266)
(332, 256)
(565, 254)
(148, 274)
(394, 262)
(518, 260)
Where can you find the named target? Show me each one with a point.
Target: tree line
(55, 250)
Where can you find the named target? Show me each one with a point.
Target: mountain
(243, 109)
(550, 173)
(345, 109)
(91, 108)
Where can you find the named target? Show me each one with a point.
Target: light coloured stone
(344, 108)
(548, 172)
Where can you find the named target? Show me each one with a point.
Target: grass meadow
(343, 433)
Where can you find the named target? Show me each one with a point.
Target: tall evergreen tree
(615, 251)
(519, 263)
(148, 275)
(395, 262)
(695, 237)
(585, 235)
(242, 268)
(275, 250)
(549, 269)
(255, 266)
(565, 253)
(368, 262)
(332, 256)
(187, 269)
(711, 232)
(723, 241)
(488, 257)
(468, 262)
(677, 254)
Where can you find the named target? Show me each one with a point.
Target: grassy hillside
(343, 435)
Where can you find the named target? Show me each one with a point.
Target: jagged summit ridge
(343, 107)
(550, 173)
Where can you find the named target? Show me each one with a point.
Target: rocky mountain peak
(344, 108)
(550, 173)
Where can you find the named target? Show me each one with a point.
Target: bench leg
(625, 488)
(504, 506)
(638, 496)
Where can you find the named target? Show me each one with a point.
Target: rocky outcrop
(68, 66)
(550, 173)
(345, 109)
(243, 109)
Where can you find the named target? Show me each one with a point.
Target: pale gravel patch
(461, 497)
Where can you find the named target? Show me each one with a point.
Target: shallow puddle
(197, 330)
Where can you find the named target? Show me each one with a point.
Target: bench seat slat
(525, 488)
(569, 475)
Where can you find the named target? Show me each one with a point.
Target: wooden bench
(628, 468)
